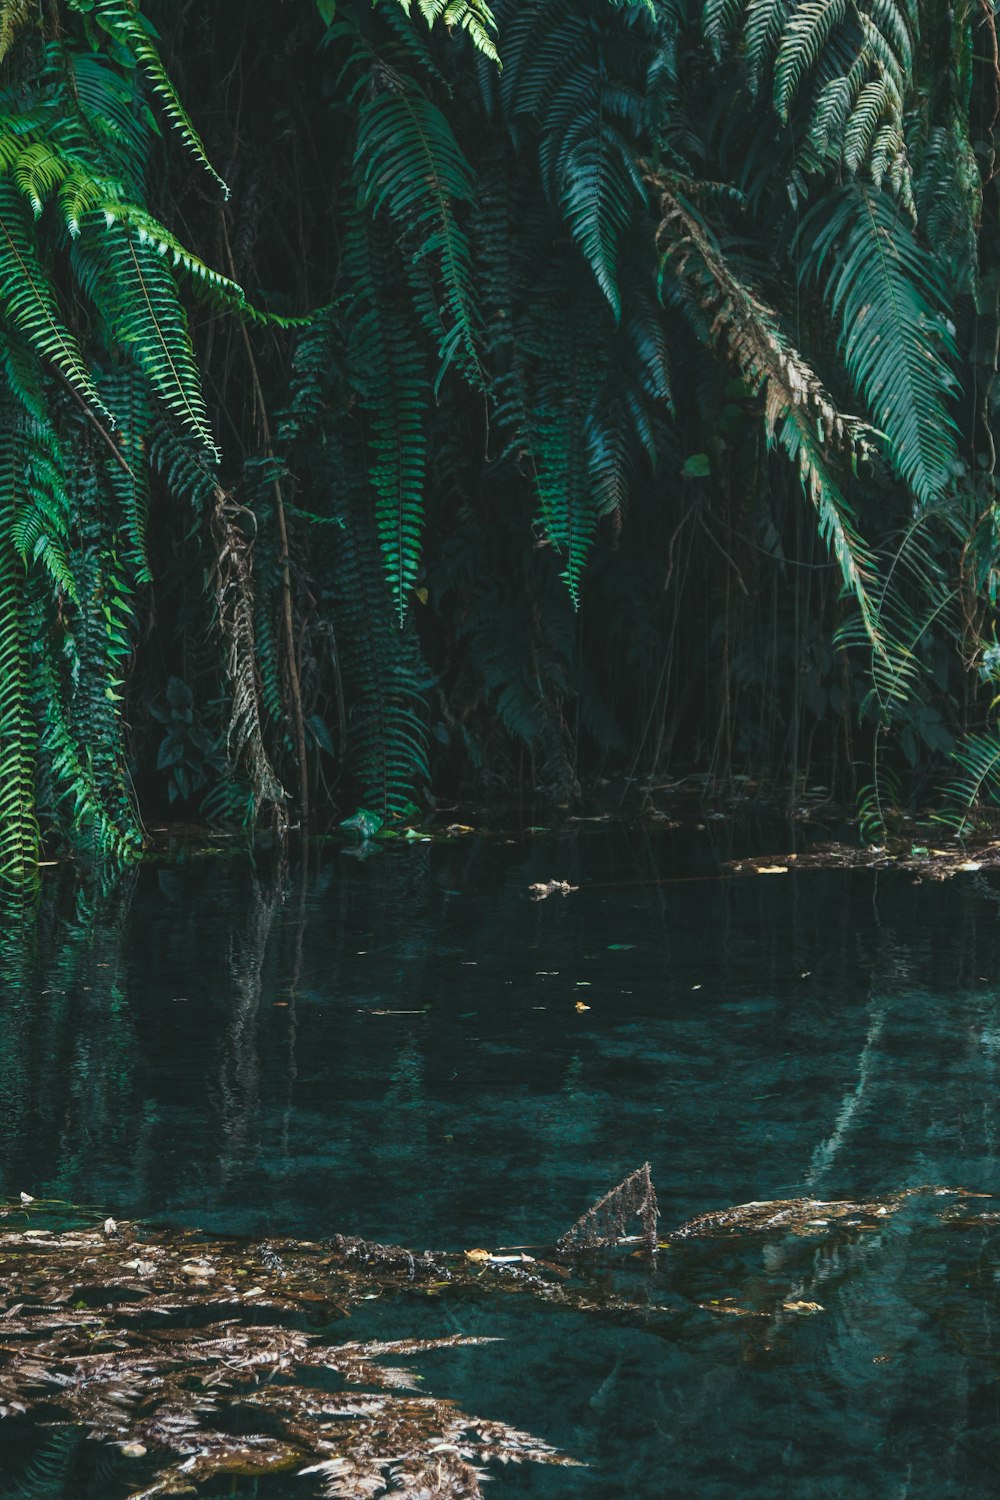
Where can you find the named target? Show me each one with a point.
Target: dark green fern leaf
(30, 301)
(138, 296)
(391, 377)
(411, 167)
(890, 305)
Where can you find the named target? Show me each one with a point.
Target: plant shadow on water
(408, 1048)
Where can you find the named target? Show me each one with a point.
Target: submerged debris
(111, 1335)
(197, 1357)
(389, 1257)
(605, 1221)
(804, 1215)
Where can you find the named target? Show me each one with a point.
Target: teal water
(392, 1047)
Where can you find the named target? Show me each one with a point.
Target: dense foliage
(401, 401)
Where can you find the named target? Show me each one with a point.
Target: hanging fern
(30, 301)
(410, 167)
(570, 370)
(471, 16)
(386, 749)
(602, 193)
(127, 468)
(128, 280)
(391, 378)
(18, 824)
(797, 410)
(890, 304)
(132, 30)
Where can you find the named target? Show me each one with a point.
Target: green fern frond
(602, 192)
(719, 21)
(571, 369)
(471, 16)
(127, 393)
(40, 515)
(890, 305)
(806, 34)
(609, 460)
(387, 736)
(978, 759)
(127, 278)
(18, 821)
(544, 42)
(30, 300)
(134, 33)
(390, 375)
(410, 167)
(765, 23)
(38, 172)
(13, 15)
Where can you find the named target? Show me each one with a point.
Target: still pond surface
(408, 1048)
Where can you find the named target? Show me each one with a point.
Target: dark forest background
(402, 404)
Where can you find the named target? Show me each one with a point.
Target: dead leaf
(543, 888)
(580, 1006)
(804, 1309)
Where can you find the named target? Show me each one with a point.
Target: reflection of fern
(46, 1474)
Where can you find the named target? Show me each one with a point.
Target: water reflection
(365, 1046)
(409, 1048)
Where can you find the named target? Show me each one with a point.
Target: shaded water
(393, 1047)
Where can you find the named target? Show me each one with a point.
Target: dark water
(392, 1047)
